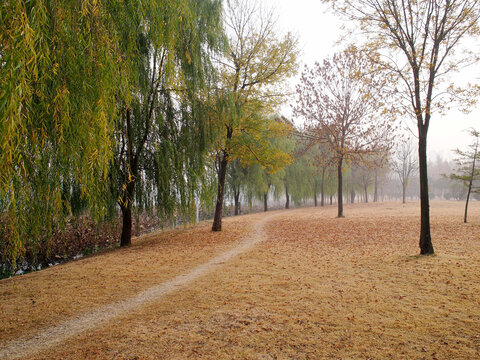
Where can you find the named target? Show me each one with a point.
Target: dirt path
(56, 334)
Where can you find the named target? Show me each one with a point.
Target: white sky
(318, 31)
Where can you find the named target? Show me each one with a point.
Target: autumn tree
(340, 102)
(236, 180)
(320, 159)
(299, 175)
(404, 164)
(162, 123)
(467, 170)
(379, 164)
(257, 61)
(368, 170)
(58, 79)
(420, 42)
(269, 184)
(365, 177)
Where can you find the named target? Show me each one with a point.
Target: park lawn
(318, 287)
(34, 301)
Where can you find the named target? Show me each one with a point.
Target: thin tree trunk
(404, 193)
(375, 193)
(265, 204)
(366, 193)
(217, 220)
(287, 195)
(315, 184)
(331, 199)
(127, 197)
(352, 196)
(237, 201)
(322, 199)
(425, 243)
(470, 183)
(466, 203)
(340, 188)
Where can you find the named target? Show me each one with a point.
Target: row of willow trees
(111, 106)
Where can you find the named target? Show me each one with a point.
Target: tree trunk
(375, 192)
(322, 199)
(340, 188)
(126, 239)
(127, 197)
(315, 193)
(366, 193)
(217, 220)
(237, 201)
(265, 205)
(470, 183)
(404, 193)
(466, 203)
(352, 196)
(426, 246)
(331, 199)
(287, 195)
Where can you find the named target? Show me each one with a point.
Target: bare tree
(405, 165)
(416, 42)
(340, 102)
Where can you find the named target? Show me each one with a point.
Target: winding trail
(51, 336)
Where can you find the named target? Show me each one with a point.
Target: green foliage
(58, 77)
(162, 126)
(68, 73)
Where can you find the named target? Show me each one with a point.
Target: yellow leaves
(187, 55)
(261, 140)
(89, 7)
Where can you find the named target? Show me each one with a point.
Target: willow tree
(255, 64)
(162, 128)
(237, 176)
(340, 102)
(58, 77)
(421, 43)
(299, 176)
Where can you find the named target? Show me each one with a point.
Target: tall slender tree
(256, 63)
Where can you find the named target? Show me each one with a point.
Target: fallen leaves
(319, 287)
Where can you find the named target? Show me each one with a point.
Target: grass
(318, 287)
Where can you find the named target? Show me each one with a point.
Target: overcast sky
(318, 31)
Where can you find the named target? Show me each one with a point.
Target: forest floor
(299, 284)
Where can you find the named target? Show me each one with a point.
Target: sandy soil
(317, 287)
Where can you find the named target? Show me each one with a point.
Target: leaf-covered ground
(317, 287)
